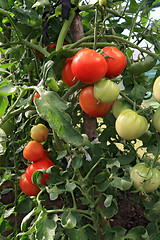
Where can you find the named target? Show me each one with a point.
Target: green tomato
(145, 177)
(102, 2)
(106, 90)
(156, 89)
(156, 120)
(130, 125)
(119, 105)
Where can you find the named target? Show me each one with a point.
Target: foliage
(81, 196)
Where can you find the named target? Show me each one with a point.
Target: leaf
(3, 105)
(52, 109)
(4, 4)
(40, 3)
(68, 220)
(70, 186)
(3, 139)
(133, 6)
(24, 205)
(123, 183)
(108, 201)
(137, 233)
(77, 162)
(111, 210)
(77, 234)
(138, 93)
(45, 227)
(7, 90)
(53, 193)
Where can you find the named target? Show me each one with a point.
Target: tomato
(116, 63)
(156, 89)
(91, 105)
(33, 151)
(89, 66)
(102, 3)
(130, 125)
(156, 120)
(106, 90)
(36, 95)
(119, 105)
(27, 187)
(67, 75)
(144, 66)
(45, 153)
(43, 163)
(51, 46)
(145, 177)
(39, 133)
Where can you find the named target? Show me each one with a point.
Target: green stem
(95, 29)
(95, 165)
(134, 19)
(74, 201)
(72, 89)
(64, 30)
(158, 151)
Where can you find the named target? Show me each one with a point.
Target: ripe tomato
(119, 105)
(43, 163)
(156, 120)
(146, 177)
(117, 62)
(129, 125)
(39, 132)
(45, 153)
(33, 151)
(51, 46)
(106, 90)
(27, 187)
(36, 95)
(156, 89)
(67, 75)
(91, 105)
(89, 66)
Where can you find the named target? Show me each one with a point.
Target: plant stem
(95, 29)
(86, 177)
(72, 89)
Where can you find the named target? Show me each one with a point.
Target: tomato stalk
(156, 158)
(72, 89)
(95, 29)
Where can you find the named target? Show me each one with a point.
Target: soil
(130, 214)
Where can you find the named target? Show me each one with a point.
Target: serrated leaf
(52, 109)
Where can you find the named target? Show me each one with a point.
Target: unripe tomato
(116, 63)
(33, 151)
(146, 177)
(106, 90)
(67, 75)
(102, 3)
(27, 187)
(156, 120)
(130, 125)
(43, 163)
(156, 89)
(91, 105)
(89, 66)
(119, 105)
(39, 133)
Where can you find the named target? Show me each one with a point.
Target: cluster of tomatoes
(96, 70)
(35, 153)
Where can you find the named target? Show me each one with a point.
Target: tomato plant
(156, 89)
(27, 187)
(36, 95)
(130, 125)
(39, 132)
(145, 178)
(33, 151)
(43, 163)
(89, 66)
(116, 61)
(106, 90)
(119, 105)
(67, 75)
(91, 105)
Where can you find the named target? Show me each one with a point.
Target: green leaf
(52, 109)
(68, 220)
(3, 105)
(4, 4)
(70, 186)
(100, 177)
(24, 205)
(138, 93)
(7, 90)
(3, 139)
(123, 183)
(40, 3)
(108, 201)
(77, 162)
(77, 234)
(45, 227)
(133, 6)
(137, 233)
(111, 210)
(53, 193)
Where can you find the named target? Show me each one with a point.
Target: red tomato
(36, 95)
(27, 187)
(51, 46)
(33, 151)
(68, 77)
(91, 105)
(89, 66)
(45, 153)
(117, 65)
(43, 163)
